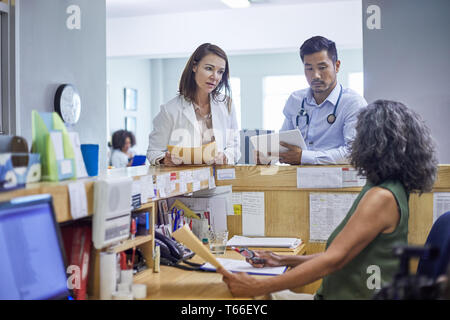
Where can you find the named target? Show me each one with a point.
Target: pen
(175, 223)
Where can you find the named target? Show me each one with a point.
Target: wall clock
(68, 103)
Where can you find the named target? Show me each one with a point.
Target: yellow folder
(195, 155)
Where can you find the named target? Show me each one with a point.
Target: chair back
(439, 237)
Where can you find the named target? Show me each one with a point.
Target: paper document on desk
(309, 178)
(272, 242)
(78, 200)
(253, 218)
(326, 211)
(221, 192)
(271, 142)
(328, 177)
(441, 204)
(233, 265)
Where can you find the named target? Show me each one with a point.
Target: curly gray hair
(393, 143)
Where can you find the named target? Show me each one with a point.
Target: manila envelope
(195, 155)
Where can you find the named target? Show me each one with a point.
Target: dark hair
(188, 86)
(393, 143)
(119, 137)
(317, 44)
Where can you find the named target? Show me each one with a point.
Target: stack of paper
(218, 192)
(240, 241)
(243, 266)
(218, 206)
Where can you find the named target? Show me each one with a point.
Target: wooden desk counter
(287, 207)
(177, 284)
(59, 190)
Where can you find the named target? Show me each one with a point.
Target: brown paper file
(195, 155)
(185, 236)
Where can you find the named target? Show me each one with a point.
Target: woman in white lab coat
(200, 113)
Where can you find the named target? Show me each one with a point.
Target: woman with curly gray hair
(393, 148)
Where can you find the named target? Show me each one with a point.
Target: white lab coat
(176, 124)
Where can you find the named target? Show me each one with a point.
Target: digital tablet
(138, 161)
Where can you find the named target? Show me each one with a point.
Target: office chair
(439, 237)
(433, 262)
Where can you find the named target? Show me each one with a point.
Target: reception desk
(287, 207)
(286, 210)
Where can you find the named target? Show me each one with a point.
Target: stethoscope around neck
(331, 117)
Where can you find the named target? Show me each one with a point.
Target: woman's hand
(171, 161)
(241, 284)
(269, 259)
(220, 158)
(130, 162)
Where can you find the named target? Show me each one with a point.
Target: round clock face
(68, 103)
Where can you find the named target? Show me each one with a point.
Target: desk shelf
(145, 206)
(131, 243)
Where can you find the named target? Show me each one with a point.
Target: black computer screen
(31, 261)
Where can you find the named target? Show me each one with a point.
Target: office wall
(130, 73)
(49, 54)
(251, 69)
(408, 60)
(250, 30)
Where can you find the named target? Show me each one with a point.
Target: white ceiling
(131, 8)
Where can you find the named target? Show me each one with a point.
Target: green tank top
(375, 265)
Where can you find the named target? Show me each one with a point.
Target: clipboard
(271, 142)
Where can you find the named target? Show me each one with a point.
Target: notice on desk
(236, 201)
(334, 177)
(351, 178)
(187, 176)
(212, 182)
(163, 181)
(226, 174)
(310, 178)
(147, 188)
(202, 174)
(441, 204)
(253, 213)
(78, 200)
(326, 211)
(183, 187)
(196, 186)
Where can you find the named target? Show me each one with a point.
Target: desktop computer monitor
(32, 260)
